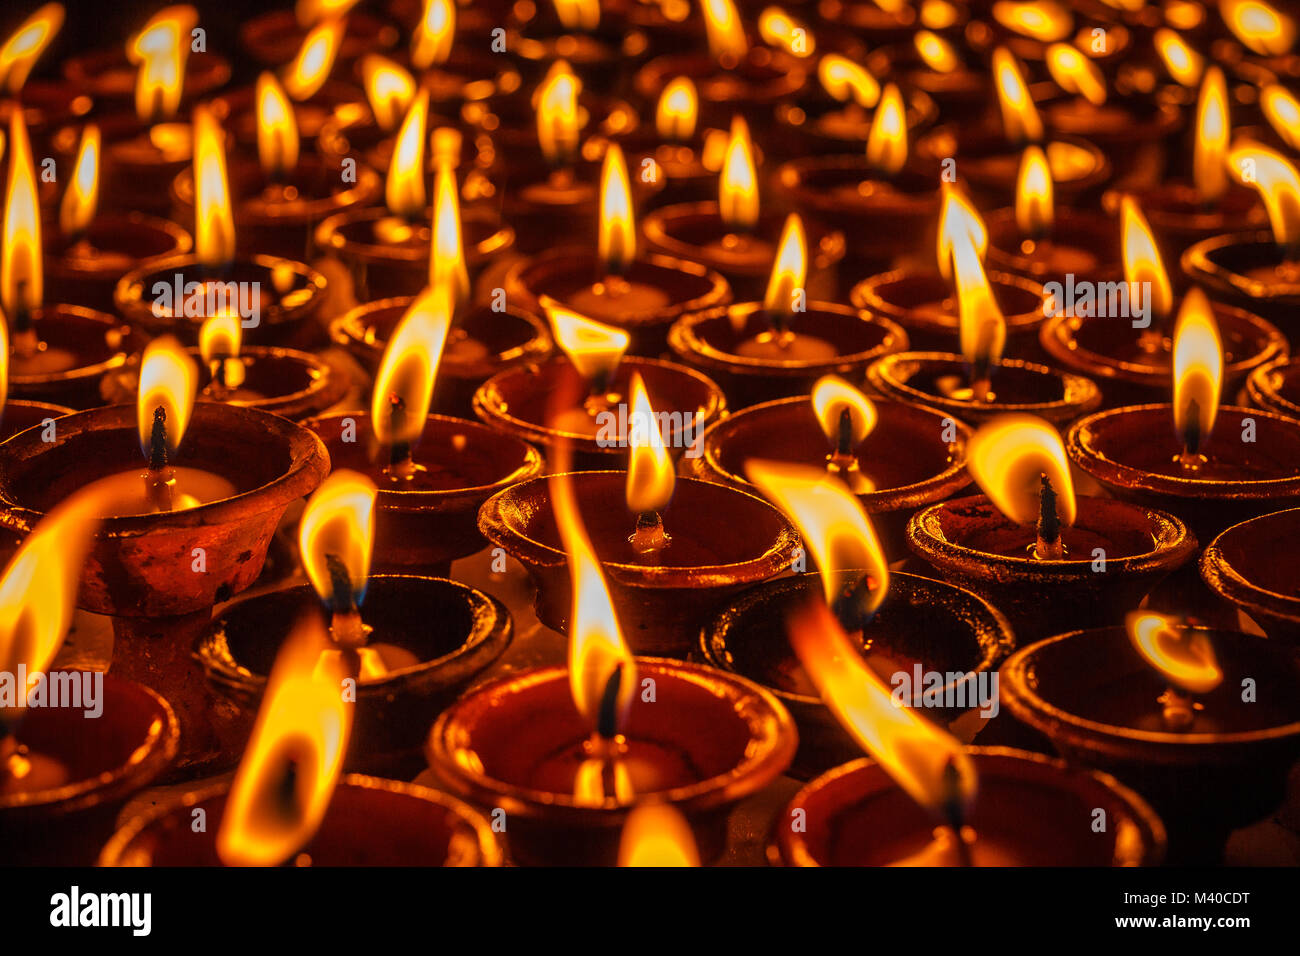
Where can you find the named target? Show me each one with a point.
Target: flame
(832, 397)
(214, 223)
(338, 523)
(982, 327)
(678, 110)
(779, 29)
(958, 219)
(650, 475)
(1198, 368)
(22, 278)
(578, 14)
(789, 269)
(409, 367)
(1020, 117)
(80, 199)
(557, 115)
(887, 141)
(1185, 657)
(1279, 186)
(1184, 64)
(168, 380)
(842, 79)
(389, 89)
(656, 834)
(221, 336)
(294, 755)
(277, 130)
(404, 188)
(4, 362)
(1008, 457)
(833, 523)
(920, 757)
(431, 42)
(1260, 26)
(1210, 159)
(25, 46)
(447, 267)
(160, 52)
(1283, 113)
(1075, 73)
(1035, 203)
(617, 237)
(311, 12)
(1142, 263)
(727, 42)
(936, 52)
(1041, 20)
(738, 184)
(593, 348)
(311, 67)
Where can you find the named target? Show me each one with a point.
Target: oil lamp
(730, 236)
(457, 73)
(925, 800)
(274, 38)
(272, 295)
(678, 149)
(1036, 551)
(1161, 705)
(641, 295)
(1274, 387)
(598, 42)
(1131, 360)
(889, 615)
(569, 752)
(19, 415)
(927, 61)
(1241, 565)
(47, 104)
(1029, 29)
(781, 345)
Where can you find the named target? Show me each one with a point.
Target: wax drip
(1049, 546)
(954, 810)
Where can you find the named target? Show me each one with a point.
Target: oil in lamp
(273, 295)
(47, 104)
(65, 772)
(569, 752)
(433, 471)
(57, 352)
(1241, 565)
(925, 800)
(732, 237)
(639, 294)
(274, 38)
(19, 415)
(1160, 704)
(1036, 551)
(891, 615)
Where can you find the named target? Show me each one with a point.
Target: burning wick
(649, 538)
(962, 835)
(23, 332)
(842, 458)
(1049, 546)
(1178, 708)
(401, 466)
(160, 480)
(854, 606)
(981, 380)
(1191, 458)
(346, 627)
(606, 746)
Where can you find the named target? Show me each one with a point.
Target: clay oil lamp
(892, 618)
(598, 43)
(1201, 722)
(88, 251)
(1259, 271)
(923, 300)
(928, 62)
(289, 804)
(668, 572)
(65, 771)
(1037, 552)
(1274, 387)
(414, 642)
(19, 415)
(46, 104)
(1029, 29)
(57, 352)
(273, 295)
(278, 201)
(685, 155)
(1129, 351)
(869, 195)
(166, 505)
(1216, 466)
(893, 21)
(1184, 212)
(641, 295)
(433, 471)
(1241, 565)
(274, 38)
(925, 800)
(578, 402)
(568, 752)
(455, 73)
(979, 383)
(896, 457)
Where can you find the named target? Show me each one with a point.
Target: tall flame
(1042, 20)
(1198, 369)
(1279, 185)
(1184, 656)
(389, 89)
(982, 326)
(779, 29)
(22, 278)
(432, 40)
(887, 140)
(958, 220)
(81, 198)
(1213, 130)
(1020, 118)
(25, 46)
(168, 380)
(1075, 73)
(404, 189)
(1259, 25)
(557, 115)
(656, 834)
(1142, 263)
(1008, 458)
(214, 223)
(844, 80)
(399, 405)
(678, 110)
(789, 269)
(578, 14)
(738, 185)
(617, 236)
(650, 474)
(835, 401)
(221, 336)
(593, 348)
(311, 67)
(936, 52)
(1184, 64)
(447, 267)
(277, 129)
(1035, 202)
(337, 532)
(727, 41)
(1282, 110)
(160, 52)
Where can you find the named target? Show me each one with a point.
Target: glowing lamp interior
(617, 235)
(738, 184)
(1185, 657)
(650, 473)
(1198, 369)
(1142, 263)
(336, 534)
(25, 46)
(403, 390)
(678, 110)
(1008, 458)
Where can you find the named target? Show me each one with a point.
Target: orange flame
(982, 327)
(1213, 130)
(277, 130)
(447, 250)
(1184, 656)
(25, 46)
(578, 14)
(214, 223)
(1041, 20)
(1075, 73)
(409, 367)
(404, 189)
(221, 336)
(887, 141)
(311, 12)
(160, 51)
(1020, 117)
(339, 523)
(655, 834)
(1198, 368)
(4, 362)
(594, 349)
(617, 237)
(168, 380)
(727, 41)
(738, 185)
(389, 89)
(1142, 263)
(309, 70)
(22, 278)
(1184, 64)
(81, 198)
(678, 110)
(1258, 25)
(432, 41)
(927, 763)
(557, 115)
(1035, 202)
(958, 220)
(789, 269)
(1008, 457)
(1283, 113)
(842, 79)
(294, 756)
(779, 29)
(650, 474)
(832, 397)
(1279, 186)
(936, 52)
